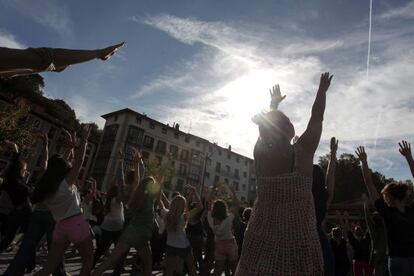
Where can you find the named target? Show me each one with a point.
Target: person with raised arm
(21, 62)
(114, 219)
(14, 184)
(220, 218)
(283, 218)
(405, 150)
(138, 231)
(178, 246)
(41, 223)
(57, 189)
(398, 214)
(323, 192)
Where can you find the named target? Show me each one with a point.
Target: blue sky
(209, 64)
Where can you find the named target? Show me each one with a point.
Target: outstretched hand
(362, 155)
(136, 155)
(334, 146)
(107, 53)
(275, 96)
(325, 82)
(405, 149)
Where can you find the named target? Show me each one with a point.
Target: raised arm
(45, 152)
(235, 202)
(310, 138)
(330, 173)
(367, 174)
(19, 62)
(199, 206)
(138, 164)
(79, 154)
(405, 150)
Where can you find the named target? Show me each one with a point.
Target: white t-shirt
(87, 211)
(222, 231)
(177, 238)
(65, 202)
(114, 220)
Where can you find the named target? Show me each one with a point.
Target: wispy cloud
(403, 12)
(8, 40)
(53, 14)
(218, 90)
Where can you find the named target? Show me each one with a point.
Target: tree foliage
(349, 183)
(12, 118)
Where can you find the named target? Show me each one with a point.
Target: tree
(12, 118)
(349, 184)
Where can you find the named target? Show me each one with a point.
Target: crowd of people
(283, 233)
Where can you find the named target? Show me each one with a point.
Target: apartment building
(42, 122)
(195, 160)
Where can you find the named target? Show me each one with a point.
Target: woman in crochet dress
(282, 238)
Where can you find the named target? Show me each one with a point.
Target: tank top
(65, 202)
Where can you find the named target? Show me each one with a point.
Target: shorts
(178, 252)
(135, 237)
(226, 250)
(73, 229)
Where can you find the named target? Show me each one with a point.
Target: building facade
(195, 160)
(41, 122)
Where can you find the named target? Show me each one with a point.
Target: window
(158, 160)
(244, 187)
(37, 124)
(219, 152)
(148, 142)
(229, 156)
(198, 143)
(161, 147)
(243, 198)
(236, 173)
(176, 135)
(245, 163)
(184, 155)
(237, 159)
(210, 148)
(244, 174)
(135, 135)
(226, 181)
(138, 119)
(164, 130)
(174, 151)
(187, 138)
(216, 179)
(236, 185)
(182, 170)
(218, 167)
(152, 125)
(228, 168)
(180, 185)
(207, 175)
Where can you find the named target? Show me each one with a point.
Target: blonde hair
(177, 207)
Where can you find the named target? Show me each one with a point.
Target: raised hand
(85, 132)
(275, 96)
(405, 149)
(136, 155)
(108, 52)
(334, 146)
(362, 155)
(325, 82)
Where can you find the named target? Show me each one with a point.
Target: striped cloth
(281, 238)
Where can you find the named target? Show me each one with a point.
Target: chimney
(229, 147)
(177, 126)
